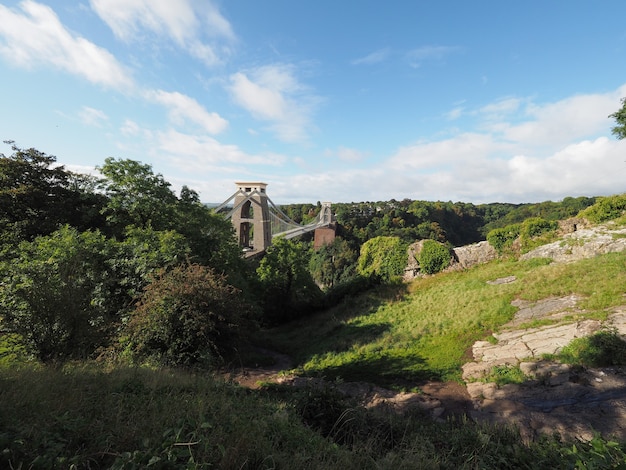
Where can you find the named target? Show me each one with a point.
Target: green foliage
(384, 257)
(286, 286)
(602, 349)
(37, 196)
(433, 257)
(605, 208)
(505, 374)
(536, 226)
(536, 231)
(142, 252)
(388, 336)
(188, 316)
(86, 418)
(502, 238)
(54, 294)
(619, 130)
(333, 264)
(136, 196)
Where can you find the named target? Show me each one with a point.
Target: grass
(84, 416)
(424, 330)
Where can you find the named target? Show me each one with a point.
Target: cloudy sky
(325, 100)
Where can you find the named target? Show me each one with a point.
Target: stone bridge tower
(251, 216)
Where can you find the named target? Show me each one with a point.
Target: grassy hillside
(402, 334)
(93, 415)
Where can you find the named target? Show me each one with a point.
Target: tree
(619, 131)
(53, 294)
(288, 290)
(187, 316)
(334, 263)
(136, 195)
(34, 194)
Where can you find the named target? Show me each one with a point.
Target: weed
(505, 374)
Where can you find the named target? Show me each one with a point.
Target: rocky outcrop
(573, 402)
(462, 257)
(581, 244)
(471, 255)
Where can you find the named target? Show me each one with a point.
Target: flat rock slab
(556, 398)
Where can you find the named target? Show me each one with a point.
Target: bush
(384, 257)
(188, 316)
(502, 238)
(433, 257)
(606, 208)
(54, 294)
(536, 226)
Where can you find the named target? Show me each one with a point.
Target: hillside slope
(449, 327)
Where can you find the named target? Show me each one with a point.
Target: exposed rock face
(581, 244)
(471, 255)
(555, 397)
(462, 257)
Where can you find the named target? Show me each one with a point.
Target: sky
(340, 101)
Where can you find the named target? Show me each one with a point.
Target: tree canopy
(619, 130)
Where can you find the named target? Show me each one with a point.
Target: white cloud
(417, 56)
(461, 148)
(455, 113)
(195, 153)
(184, 108)
(92, 116)
(272, 93)
(566, 120)
(35, 36)
(188, 23)
(373, 58)
(492, 165)
(346, 154)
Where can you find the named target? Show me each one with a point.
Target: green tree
(385, 257)
(187, 316)
(288, 289)
(334, 263)
(143, 252)
(34, 193)
(136, 195)
(53, 294)
(619, 130)
(210, 236)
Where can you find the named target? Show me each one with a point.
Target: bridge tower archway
(251, 220)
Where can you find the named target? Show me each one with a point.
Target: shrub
(54, 294)
(502, 238)
(606, 208)
(188, 316)
(384, 257)
(536, 226)
(433, 257)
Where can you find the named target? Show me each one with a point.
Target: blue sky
(353, 100)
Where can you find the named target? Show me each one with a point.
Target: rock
(475, 389)
(472, 255)
(528, 368)
(502, 280)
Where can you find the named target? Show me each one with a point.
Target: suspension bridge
(257, 220)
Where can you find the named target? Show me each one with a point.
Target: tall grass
(425, 330)
(84, 417)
